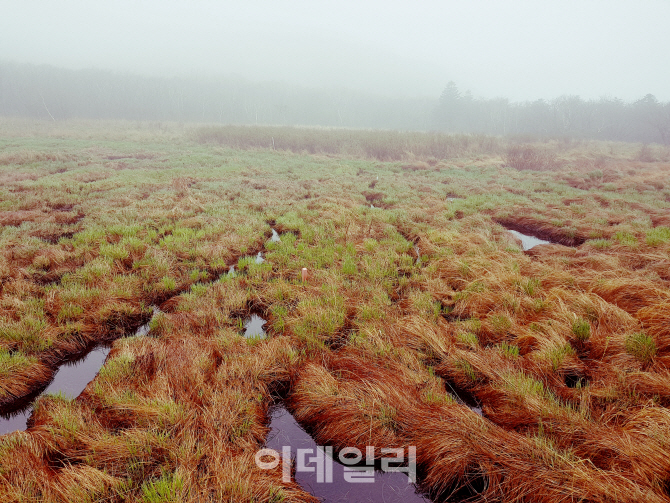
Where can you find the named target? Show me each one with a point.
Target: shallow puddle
(253, 326)
(528, 242)
(346, 484)
(275, 237)
(464, 398)
(70, 379)
(259, 258)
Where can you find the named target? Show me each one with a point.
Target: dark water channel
(328, 479)
(464, 398)
(70, 379)
(528, 242)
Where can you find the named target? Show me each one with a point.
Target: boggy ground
(566, 348)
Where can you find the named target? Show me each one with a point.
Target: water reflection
(253, 326)
(70, 380)
(464, 397)
(528, 242)
(370, 486)
(146, 328)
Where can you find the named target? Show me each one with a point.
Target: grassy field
(566, 347)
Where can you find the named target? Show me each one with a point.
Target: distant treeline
(54, 93)
(48, 92)
(646, 120)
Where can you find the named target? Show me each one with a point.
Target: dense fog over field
(523, 50)
(345, 63)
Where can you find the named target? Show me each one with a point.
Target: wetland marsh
(517, 375)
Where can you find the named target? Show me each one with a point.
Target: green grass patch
(167, 489)
(581, 329)
(657, 236)
(641, 346)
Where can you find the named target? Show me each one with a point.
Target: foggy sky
(521, 49)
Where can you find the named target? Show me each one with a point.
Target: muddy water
(527, 242)
(370, 487)
(70, 379)
(253, 326)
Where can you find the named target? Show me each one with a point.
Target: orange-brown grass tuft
(356, 401)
